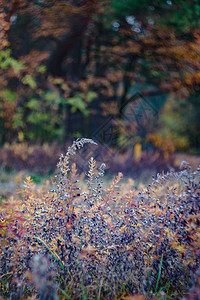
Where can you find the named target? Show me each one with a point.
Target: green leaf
(52, 96)
(91, 96)
(7, 61)
(5, 53)
(29, 80)
(38, 118)
(8, 95)
(16, 65)
(77, 103)
(34, 104)
(42, 69)
(77, 135)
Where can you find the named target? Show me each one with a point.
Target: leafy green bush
(79, 243)
(178, 126)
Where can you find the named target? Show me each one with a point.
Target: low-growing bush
(42, 160)
(73, 242)
(20, 156)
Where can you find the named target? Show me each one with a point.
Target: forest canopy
(68, 65)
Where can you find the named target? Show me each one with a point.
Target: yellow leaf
(181, 248)
(137, 152)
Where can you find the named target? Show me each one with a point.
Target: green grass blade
(159, 274)
(56, 258)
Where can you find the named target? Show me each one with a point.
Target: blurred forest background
(125, 73)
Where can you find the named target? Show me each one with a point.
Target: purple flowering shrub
(98, 242)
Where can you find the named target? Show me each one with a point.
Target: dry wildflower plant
(67, 243)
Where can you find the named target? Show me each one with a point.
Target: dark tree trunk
(78, 25)
(131, 62)
(74, 67)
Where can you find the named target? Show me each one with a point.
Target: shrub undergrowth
(73, 242)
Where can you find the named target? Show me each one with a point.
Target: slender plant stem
(54, 255)
(6, 274)
(159, 274)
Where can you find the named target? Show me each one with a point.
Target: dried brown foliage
(20, 156)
